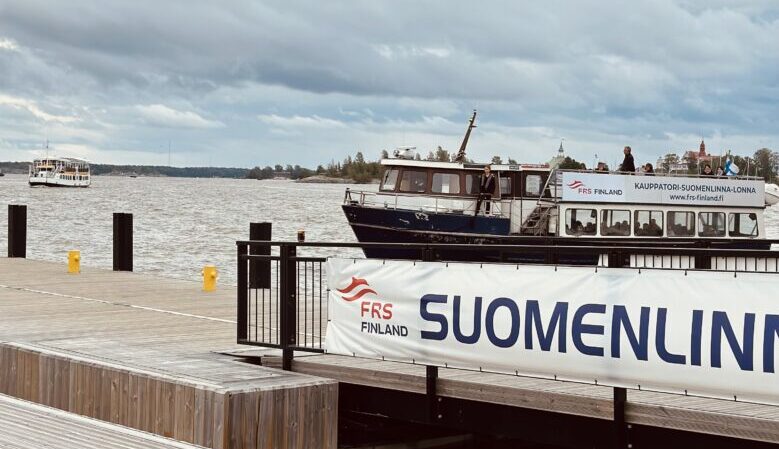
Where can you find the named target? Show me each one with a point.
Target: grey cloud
(642, 68)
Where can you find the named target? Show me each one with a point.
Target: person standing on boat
(627, 164)
(707, 170)
(486, 187)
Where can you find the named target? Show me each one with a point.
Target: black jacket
(487, 184)
(628, 164)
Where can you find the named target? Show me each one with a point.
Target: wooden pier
(27, 425)
(160, 356)
(150, 353)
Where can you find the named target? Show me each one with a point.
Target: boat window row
(452, 182)
(656, 223)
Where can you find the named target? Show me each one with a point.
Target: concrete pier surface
(151, 354)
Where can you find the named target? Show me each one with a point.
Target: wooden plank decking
(145, 352)
(164, 330)
(31, 426)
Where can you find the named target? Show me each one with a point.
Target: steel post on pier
(17, 230)
(620, 426)
(431, 387)
(123, 242)
(259, 270)
(288, 304)
(243, 295)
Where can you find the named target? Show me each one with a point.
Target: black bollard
(259, 270)
(123, 242)
(17, 230)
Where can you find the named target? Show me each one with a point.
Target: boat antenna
(461, 154)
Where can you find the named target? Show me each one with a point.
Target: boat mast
(461, 154)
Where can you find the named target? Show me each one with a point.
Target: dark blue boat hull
(404, 226)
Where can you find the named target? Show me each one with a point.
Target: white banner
(704, 333)
(705, 191)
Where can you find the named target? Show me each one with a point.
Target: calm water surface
(182, 224)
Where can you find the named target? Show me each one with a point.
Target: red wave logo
(356, 284)
(575, 184)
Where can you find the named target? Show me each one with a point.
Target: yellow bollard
(209, 278)
(74, 262)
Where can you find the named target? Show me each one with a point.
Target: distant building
(699, 156)
(557, 160)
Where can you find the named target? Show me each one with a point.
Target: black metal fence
(282, 293)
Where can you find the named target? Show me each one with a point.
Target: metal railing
(426, 202)
(283, 295)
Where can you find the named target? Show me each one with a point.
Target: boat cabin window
(711, 224)
(681, 224)
(648, 223)
(615, 222)
(390, 179)
(743, 225)
(533, 185)
(413, 181)
(446, 183)
(505, 185)
(472, 183)
(580, 221)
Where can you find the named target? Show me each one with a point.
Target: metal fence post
(431, 382)
(243, 295)
(616, 259)
(620, 427)
(288, 304)
(17, 230)
(259, 270)
(123, 242)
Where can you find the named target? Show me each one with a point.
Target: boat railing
(448, 204)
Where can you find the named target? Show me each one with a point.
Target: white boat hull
(56, 181)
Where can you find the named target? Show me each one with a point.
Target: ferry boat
(535, 204)
(59, 172)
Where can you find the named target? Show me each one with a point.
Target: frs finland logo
(356, 290)
(375, 313)
(575, 185)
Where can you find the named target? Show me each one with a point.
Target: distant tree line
(279, 171)
(356, 169)
(145, 170)
(173, 172)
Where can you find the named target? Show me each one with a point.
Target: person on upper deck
(602, 167)
(486, 187)
(720, 172)
(707, 170)
(649, 170)
(627, 164)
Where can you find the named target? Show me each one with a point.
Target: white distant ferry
(60, 172)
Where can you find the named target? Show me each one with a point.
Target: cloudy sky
(245, 83)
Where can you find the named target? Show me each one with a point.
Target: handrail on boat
(436, 206)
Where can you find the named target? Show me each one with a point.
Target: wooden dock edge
(637, 413)
(218, 418)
